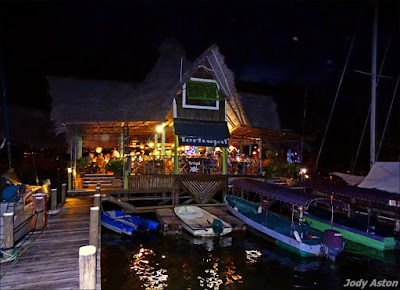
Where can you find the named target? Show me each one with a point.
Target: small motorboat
(123, 223)
(201, 223)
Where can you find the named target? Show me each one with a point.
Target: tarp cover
(350, 179)
(275, 191)
(211, 134)
(366, 194)
(383, 176)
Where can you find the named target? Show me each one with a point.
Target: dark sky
(279, 47)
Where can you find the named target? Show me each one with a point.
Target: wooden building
(180, 103)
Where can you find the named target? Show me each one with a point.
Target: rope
(388, 116)
(337, 94)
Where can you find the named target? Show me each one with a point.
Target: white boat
(200, 222)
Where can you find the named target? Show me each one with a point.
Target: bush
(116, 166)
(81, 164)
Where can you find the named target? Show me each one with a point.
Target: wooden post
(63, 192)
(97, 199)
(8, 234)
(163, 142)
(176, 155)
(53, 199)
(87, 267)
(224, 161)
(94, 226)
(40, 210)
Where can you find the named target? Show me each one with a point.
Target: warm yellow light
(231, 147)
(173, 145)
(141, 146)
(159, 129)
(187, 147)
(303, 170)
(151, 144)
(69, 169)
(158, 144)
(99, 149)
(254, 152)
(218, 149)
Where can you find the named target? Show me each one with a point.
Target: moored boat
(358, 228)
(296, 236)
(200, 222)
(122, 223)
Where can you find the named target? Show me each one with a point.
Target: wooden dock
(171, 224)
(52, 261)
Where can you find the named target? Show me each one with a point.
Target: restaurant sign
(203, 141)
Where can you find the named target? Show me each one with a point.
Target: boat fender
(259, 210)
(235, 208)
(297, 236)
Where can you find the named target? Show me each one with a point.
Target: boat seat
(191, 216)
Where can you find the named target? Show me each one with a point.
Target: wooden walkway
(52, 261)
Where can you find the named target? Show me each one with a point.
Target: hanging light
(99, 149)
(151, 144)
(141, 146)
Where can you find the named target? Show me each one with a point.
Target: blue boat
(123, 223)
(294, 235)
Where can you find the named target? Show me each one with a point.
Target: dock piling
(8, 239)
(53, 199)
(94, 226)
(87, 267)
(63, 192)
(97, 199)
(40, 210)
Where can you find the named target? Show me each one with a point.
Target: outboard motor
(218, 227)
(332, 244)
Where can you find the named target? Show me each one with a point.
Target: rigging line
(336, 96)
(388, 117)
(370, 106)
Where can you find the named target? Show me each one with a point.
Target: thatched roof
(261, 111)
(88, 102)
(98, 101)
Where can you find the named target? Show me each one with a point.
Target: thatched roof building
(98, 107)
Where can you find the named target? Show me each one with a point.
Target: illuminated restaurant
(185, 122)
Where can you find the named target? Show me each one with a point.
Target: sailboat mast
(373, 84)
(5, 116)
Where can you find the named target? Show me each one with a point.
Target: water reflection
(214, 277)
(252, 255)
(151, 278)
(209, 243)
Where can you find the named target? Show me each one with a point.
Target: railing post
(40, 210)
(53, 199)
(63, 192)
(224, 162)
(87, 267)
(8, 234)
(94, 226)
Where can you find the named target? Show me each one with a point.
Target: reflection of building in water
(252, 255)
(152, 278)
(214, 281)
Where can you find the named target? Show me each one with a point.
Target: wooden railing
(148, 165)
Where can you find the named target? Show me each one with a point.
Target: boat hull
(370, 240)
(291, 244)
(197, 221)
(125, 224)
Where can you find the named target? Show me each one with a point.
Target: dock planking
(171, 224)
(52, 261)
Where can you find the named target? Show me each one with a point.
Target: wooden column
(94, 226)
(176, 155)
(87, 267)
(53, 199)
(8, 234)
(224, 161)
(156, 143)
(63, 192)
(260, 155)
(163, 142)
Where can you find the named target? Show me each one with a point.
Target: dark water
(239, 261)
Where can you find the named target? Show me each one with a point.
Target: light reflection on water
(242, 261)
(151, 278)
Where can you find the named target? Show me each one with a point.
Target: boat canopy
(383, 176)
(371, 195)
(276, 192)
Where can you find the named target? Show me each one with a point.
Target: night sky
(273, 47)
